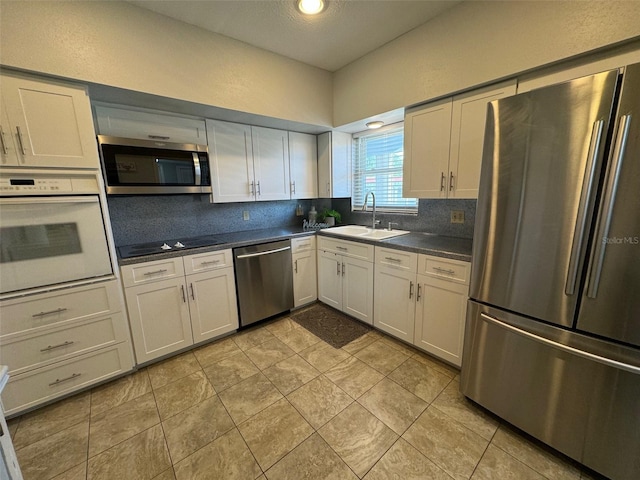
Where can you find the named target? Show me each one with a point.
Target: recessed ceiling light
(374, 125)
(311, 7)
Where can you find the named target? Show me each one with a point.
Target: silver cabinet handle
(451, 177)
(442, 180)
(343, 249)
(251, 188)
(604, 219)
(293, 187)
(391, 259)
(583, 210)
(442, 270)
(410, 289)
(328, 187)
(295, 266)
(60, 380)
(3, 140)
(210, 262)
(184, 298)
(338, 265)
(158, 137)
(258, 191)
(51, 312)
(564, 348)
(53, 347)
(162, 270)
(418, 295)
(193, 295)
(20, 140)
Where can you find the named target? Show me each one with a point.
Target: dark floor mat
(332, 326)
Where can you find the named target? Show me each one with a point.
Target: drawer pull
(442, 270)
(60, 380)
(306, 244)
(53, 347)
(159, 137)
(344, 249)
(156, 271)
(52, 312)
(210, 262)
(391, 259)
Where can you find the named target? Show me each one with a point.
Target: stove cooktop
(141, 249)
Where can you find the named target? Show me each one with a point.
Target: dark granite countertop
(229, 240)
(427, 243)
(419, 242)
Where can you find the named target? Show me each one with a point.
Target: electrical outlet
(457, 216)
(245, 215)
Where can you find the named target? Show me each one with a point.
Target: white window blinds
(377, 167)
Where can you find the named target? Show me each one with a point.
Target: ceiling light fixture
(374, 125)
(311, 7)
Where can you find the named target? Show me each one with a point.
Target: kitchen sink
(365, 232)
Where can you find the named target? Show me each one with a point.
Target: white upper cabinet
(444, 142)
(46, 124)
(146, 125)
(271, 163)
(231, 162)
(334, 165)
(303, 165)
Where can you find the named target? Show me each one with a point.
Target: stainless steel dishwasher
(264, 280)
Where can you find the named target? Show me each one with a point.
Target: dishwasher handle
(268, 252)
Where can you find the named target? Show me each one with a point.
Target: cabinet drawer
(47, 383)
(25, 351)
(303, 244)
(444, 268)
(398, 259)
(146, 272)
(348, 249)
(55, 308)
(207, 261)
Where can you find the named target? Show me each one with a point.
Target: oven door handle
(93, 198)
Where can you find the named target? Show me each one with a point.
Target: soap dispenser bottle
(312, 214)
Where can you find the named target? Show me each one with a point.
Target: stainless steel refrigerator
(552, 341)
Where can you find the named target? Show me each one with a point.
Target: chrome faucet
(364, 208)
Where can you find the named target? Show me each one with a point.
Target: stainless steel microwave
(133, 167)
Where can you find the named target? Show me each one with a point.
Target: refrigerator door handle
(583, 211)
(564, 348)
(604, 219)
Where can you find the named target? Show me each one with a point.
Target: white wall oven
(52, 231)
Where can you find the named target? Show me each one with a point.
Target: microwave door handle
(196, 168)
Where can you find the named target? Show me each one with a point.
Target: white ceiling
(344, 32)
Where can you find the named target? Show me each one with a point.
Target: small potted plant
(331, 217)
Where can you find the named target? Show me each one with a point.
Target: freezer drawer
(558, 386)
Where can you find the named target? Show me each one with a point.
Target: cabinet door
(468, 119)
(212, 303)
(324, 165)
(427, 134)
(357, 289)
(394, 304)
(231, 158)
(334, 165)
(159, 317)
(440, 318)
(303, 165)
(271, 163)
(51, 123)
(305, 284)
(120, 122)
(8, 151)
(329, 279)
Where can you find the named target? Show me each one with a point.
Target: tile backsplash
(149, 218)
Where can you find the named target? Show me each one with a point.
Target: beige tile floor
(275, 402)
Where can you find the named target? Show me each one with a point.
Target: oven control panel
(35, 185)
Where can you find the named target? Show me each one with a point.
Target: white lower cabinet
(305, 277)
(178, 302)
(345, 277)
(422, 300)
(50, 342)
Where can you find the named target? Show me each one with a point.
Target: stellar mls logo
(621, 240)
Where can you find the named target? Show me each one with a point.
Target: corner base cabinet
(345, 277)
(178, 302)
(305, 276)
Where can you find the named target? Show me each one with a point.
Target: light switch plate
(457, 216)
(245, 214)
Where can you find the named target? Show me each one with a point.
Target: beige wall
(473, 44)
(121, 45)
